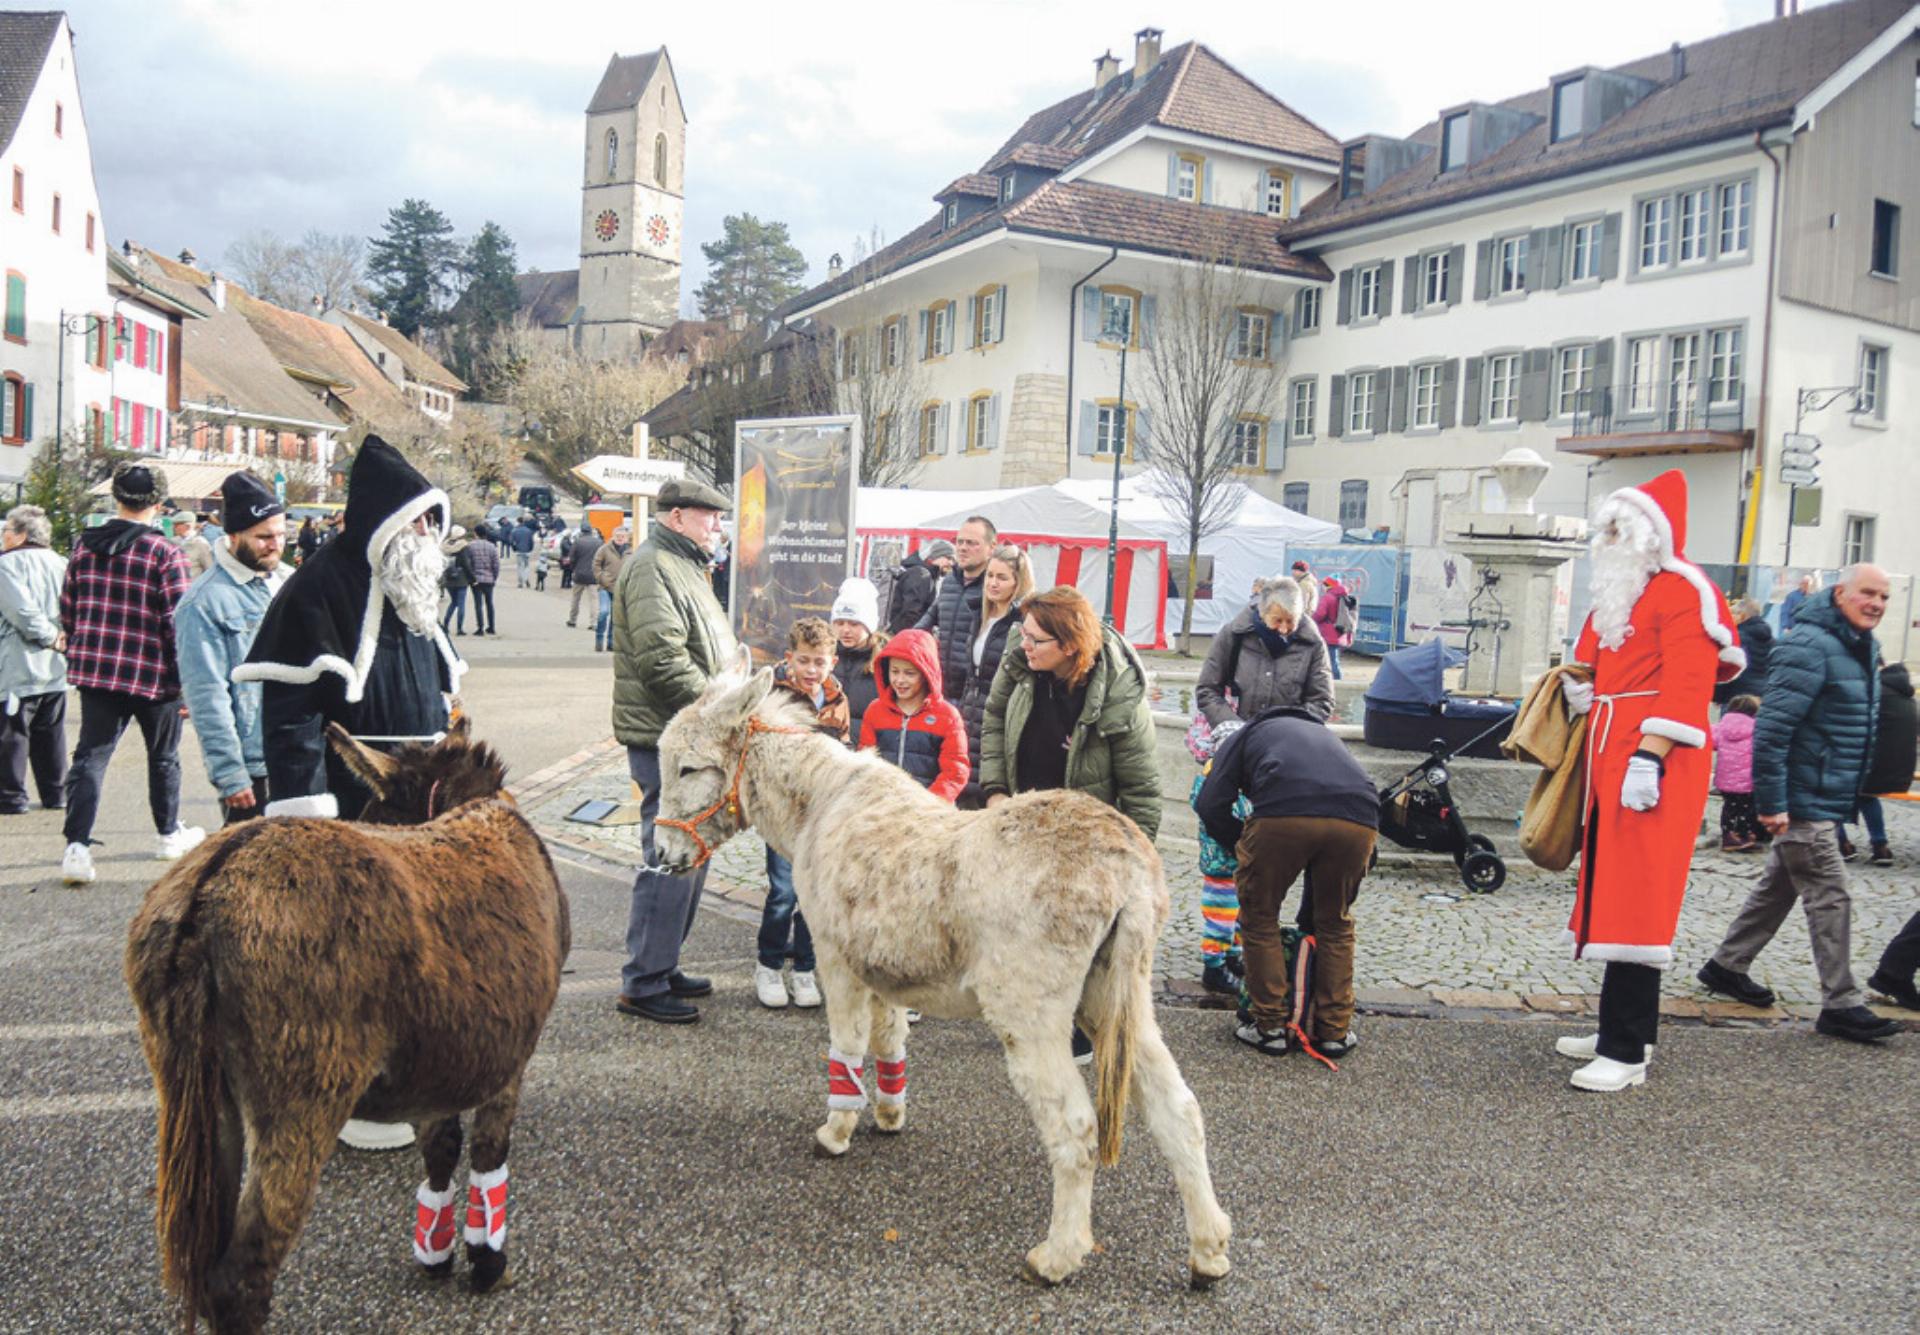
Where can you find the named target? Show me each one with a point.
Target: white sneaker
(1607, 1075)
(359, 1135)
(771, 987)
(76, 868)
(806, 992)
(1585, 1049)
(173, 847)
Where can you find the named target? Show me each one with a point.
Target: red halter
(729, 799)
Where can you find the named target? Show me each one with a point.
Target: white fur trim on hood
(1672, 562)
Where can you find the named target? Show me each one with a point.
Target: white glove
(1641, 789)
(1578, 695)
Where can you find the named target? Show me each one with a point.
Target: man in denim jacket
(214, 627)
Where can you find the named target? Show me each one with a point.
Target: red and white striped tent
(1066, 539)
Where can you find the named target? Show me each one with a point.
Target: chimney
(1104, 68)
(1146, 52)
(1679, 62)
(833, 265)
(127, 247)
(737, 319)
(188, 258)
(217, 288)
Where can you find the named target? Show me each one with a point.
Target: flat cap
(688, 493)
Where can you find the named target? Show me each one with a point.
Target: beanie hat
(245, 501)
(936, 550)
(137, 486)
(858, 601)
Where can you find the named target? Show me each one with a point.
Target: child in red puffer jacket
(1740, 830)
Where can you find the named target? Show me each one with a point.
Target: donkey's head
(701, 754)
(416, 783)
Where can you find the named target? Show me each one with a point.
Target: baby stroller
(1417, 810)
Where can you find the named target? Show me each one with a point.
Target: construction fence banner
(1376, 575)
(794, 489)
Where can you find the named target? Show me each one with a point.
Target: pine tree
(412, 266)
(755, 265)
(486, 307)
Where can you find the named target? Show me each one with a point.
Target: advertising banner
(1376, 576)
(794, 490)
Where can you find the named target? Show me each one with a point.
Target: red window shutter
(159, 352)
(139, 426)
(139, 344)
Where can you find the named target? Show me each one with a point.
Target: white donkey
(1033, 916)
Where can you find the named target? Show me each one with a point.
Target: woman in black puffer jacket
(1007, 584)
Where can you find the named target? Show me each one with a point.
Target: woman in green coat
(1068, 709)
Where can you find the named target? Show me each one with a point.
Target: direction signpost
(1799, 467)
(633, 475)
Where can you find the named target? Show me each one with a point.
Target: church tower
(631, 210)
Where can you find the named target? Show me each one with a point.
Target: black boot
(1716, 977)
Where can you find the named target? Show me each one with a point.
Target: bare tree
(332, 267)
(1212, 377)
(267, 267)
(574, 407)
(874, 372)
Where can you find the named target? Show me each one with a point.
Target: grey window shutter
(1456, 281)
(1000, 314)
(973, 313)
(1536, 383)
(1610, 247)
(1206, 183)
(946, 426)
(1410, 285)
(1149, 317)
(1173, 175)
(1142, 433)
(1470, 395)
(1276, 443)
(1336, 405)
(1090, 314)
(1482, 270)
(953, 318)
(1089, 426)
(1345, 310)
(993, 422)
(1386, 288)
(1602, 382)
(1397, 407)
(1546, 257)
(1533, 272)
(1449, 391)
(925, 350)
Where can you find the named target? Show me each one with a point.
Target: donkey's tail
(171, 976)
(1118, 985)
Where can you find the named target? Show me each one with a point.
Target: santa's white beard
(410, 574)
(1626, 553)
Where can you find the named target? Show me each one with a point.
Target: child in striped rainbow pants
(1220, 967)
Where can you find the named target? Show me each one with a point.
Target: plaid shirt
(118, 614)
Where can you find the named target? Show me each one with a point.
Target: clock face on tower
(607, 225)
(657, 230)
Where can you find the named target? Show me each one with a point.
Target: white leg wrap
(487, 1209)
(846, 1082)
(433, 1225)
(890, 1078)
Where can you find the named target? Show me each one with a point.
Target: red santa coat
(1658, 683)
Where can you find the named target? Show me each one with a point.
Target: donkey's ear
(739, 703)
(742, 662)
(371, 767)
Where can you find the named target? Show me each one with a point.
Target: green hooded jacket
(1112, 753)
(670, 635)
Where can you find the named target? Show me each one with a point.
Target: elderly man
(609, 558)
(33, 675)
(215, 625)
(1269, 655)
(1812, 745)
(196, 548)
(117, 609)
(954, 615)
(670, 637)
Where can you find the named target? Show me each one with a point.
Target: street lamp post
(1810, 401)
(1119, 329)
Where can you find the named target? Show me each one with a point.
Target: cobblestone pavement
(1414, 950)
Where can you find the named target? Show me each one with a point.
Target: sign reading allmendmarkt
(794, 488)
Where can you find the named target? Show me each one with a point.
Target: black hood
(380, 485)
(1894, 677)
(115, 536)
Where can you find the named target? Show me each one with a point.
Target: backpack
(1346, 617)
(1303, 956)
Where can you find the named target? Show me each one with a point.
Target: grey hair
(31, 523)
(1745, 609)
(1283, 592)
(1852, 573)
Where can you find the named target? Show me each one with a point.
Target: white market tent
(1252, 545)
(1065, 538)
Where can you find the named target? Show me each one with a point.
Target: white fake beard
(1626, 554)
(410, 578)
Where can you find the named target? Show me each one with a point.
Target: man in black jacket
(954, 617)
(913, 585)
(586, 545)
(1314, 810)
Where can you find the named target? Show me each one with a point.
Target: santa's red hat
(1664, 501)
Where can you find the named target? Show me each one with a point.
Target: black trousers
(104, 715)
(235, 815)
(1902, 955)
(34, 735)
(483, 623)
(1629, 1011)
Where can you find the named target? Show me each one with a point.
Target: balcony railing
(1664, 407)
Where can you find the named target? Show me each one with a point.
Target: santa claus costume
(1658, 639)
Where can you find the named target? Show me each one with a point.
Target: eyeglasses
(1041, 639)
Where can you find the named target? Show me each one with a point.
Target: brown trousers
(1272, 852)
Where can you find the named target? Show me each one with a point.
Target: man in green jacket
(670, 638)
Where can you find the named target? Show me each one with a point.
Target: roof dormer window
(1453, 141)
(952, 213)
(1569, 108)
(1352, 171)
(1006, 188)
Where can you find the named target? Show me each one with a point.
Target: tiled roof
(549, 300)
(318, 350)
(625, 79)
(973, 183)
(419, 363)
(24, 41)
(699, 339)
(1044, 156)
(1734, 84)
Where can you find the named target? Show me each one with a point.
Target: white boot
(1607, 1075)
(806, 992)
(771, 987)
(1585, 1049)
(76, 868)
(173, 847)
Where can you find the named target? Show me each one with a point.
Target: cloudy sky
(211, 119)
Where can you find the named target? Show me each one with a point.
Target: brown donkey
(292, 973)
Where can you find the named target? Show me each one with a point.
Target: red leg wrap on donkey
(846, 1085)
(487, 1209)
(890, 1079)
(433, 1225)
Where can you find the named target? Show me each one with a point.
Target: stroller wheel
(1483, 872)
